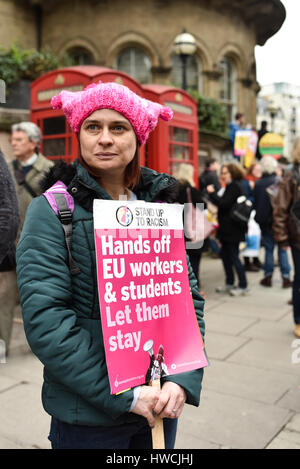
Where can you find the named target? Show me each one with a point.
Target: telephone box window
(54, 125)
(180, 147)
(181, 135)
(54, 147)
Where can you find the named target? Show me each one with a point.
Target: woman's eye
(92, 127)
(118, 128)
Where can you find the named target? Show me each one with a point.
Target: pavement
(251, 390)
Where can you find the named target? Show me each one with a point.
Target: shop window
(228, 86)
(193, 72)
(135, 63)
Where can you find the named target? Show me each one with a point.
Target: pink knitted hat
(141, 113)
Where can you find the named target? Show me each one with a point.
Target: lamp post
(184, 46)
(272, 111)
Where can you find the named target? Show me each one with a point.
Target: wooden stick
(158, 437)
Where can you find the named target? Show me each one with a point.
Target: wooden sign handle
(158, 437)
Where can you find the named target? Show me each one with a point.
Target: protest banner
(245, 145)
(147, 311)
(241, 142)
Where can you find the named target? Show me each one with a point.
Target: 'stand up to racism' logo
(124, 216)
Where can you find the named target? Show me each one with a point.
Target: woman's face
(107, 141)
(256, 172)
(225, 175)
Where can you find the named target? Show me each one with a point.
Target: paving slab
(294, 424)
(7, 444)
(234, 422)
(291, 399)
(217, 321)
(242, 307)
(22, 367)
(251, 383)
(24, 422)
(274, 331)
(5, 381)
(283, 442)
(185, 440)
(267, 355)
(221, 346)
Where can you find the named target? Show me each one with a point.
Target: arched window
(193, 72)
(136, 63)
(80, 56)
(228, 95)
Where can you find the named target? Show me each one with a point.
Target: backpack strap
(62, 203)
(21, 180)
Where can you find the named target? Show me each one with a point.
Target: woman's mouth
(105, 155)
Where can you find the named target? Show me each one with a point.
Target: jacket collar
(152, 187)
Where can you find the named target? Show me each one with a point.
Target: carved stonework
(214, 74)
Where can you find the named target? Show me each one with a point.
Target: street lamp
(184, 46)
(272, 109)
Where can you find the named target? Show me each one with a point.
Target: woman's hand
(210, 188)
(171, 401)
(146, 402)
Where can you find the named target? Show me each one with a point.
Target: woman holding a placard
(61, 308)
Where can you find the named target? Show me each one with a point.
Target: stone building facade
(137, 37)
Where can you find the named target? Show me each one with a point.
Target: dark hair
(210, 161)
(238, 115)
(236, 171)
(133, 170)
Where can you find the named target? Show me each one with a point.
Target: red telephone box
(176, 141)
(59, 142)
(170, 144)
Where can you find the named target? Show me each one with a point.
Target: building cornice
(265, 17)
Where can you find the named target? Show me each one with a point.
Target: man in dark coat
(210, 176)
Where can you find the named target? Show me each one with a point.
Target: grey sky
(278, 60)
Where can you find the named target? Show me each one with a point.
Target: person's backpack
(62, 203)
(241, 211)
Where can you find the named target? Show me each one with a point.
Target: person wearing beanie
(61, 311)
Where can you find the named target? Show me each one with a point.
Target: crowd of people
(53, 315)
(274, 191)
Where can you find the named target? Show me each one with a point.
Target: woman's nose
(105, 137)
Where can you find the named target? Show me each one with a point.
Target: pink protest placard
(147, 312)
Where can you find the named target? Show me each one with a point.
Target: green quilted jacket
(61, 312)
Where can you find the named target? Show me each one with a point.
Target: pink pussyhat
(141, 113)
